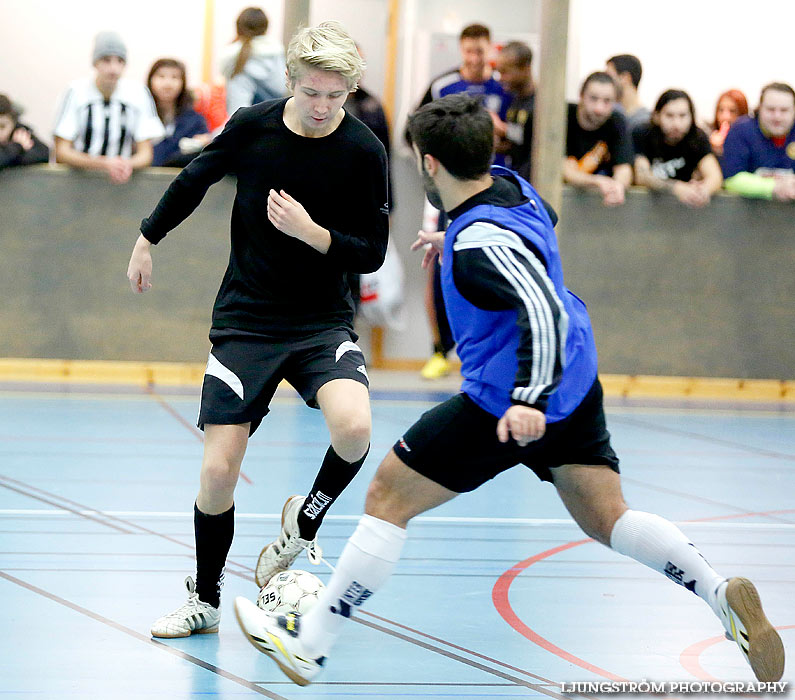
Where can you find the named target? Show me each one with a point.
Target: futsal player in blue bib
(530, 396)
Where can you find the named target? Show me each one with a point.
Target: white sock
(366, 563)
(662, 546)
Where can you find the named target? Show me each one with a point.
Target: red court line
(192, 428)
(499, 596)
(690, 657)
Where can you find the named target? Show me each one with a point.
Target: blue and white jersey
(491, 92)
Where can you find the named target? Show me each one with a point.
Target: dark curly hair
(458, 131)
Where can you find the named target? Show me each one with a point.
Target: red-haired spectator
(759, 153)
(673, 155)
(598, 148)
(186, 131)
(730, 105)
(18, 144)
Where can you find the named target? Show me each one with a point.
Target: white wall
(366, 20)
(704, 46)
(45, 44)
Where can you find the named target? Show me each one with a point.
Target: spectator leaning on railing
(759, 153)
(18, 144)
(107, 123)
(672, 154)
(186, 131)
(598, 149)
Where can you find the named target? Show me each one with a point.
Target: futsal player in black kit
(311, 206)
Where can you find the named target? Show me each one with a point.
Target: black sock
(438, 347)
(333, 478)
(213, 539)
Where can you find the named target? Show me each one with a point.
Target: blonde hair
(326, 47)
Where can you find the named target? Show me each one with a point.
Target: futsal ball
(290, 591)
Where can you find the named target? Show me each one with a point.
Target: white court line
(533, 522)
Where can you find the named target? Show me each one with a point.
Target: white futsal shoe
(194, 617)
(745, 622)
(280, 554)
(276, 636)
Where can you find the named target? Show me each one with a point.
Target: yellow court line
(191, 373)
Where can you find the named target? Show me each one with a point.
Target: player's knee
(381, 502)
(351, 437)
(218, 478)
(600, 522)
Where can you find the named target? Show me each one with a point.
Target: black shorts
(244, 370)
(455, 444)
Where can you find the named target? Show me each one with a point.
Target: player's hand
(23, 138)
(119, 169)
(523, 424)
(139, 271)
(289, 216)
(433, 244)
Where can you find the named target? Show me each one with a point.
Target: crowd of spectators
(614, 141)
(108, 123)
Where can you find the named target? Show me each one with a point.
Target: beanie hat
(109, 44)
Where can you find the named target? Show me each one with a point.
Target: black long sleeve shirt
(276, 285)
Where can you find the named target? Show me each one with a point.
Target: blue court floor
(498, 594)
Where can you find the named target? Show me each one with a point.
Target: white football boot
(277, 636)
(194, 617)
(745, 622)
(280, 554)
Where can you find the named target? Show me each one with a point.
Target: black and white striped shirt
(109, 127)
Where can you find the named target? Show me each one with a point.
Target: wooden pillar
(377, 359)
(549, 120)
(390, 64)
(296, 15)
(207, 47)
